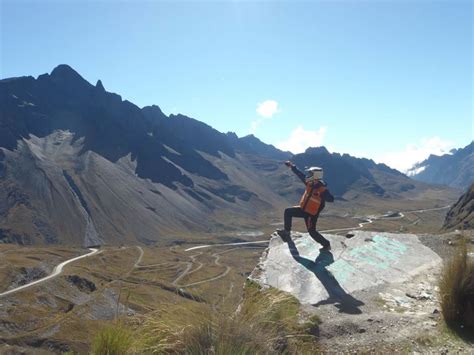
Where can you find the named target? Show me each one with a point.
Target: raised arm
(328, 196)
(296, 171)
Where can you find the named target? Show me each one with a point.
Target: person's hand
(289, 164)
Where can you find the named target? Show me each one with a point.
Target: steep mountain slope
(455, 170)
(461, 215)
(81, 166)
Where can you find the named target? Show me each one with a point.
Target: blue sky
(388, 80)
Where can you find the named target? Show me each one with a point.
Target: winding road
(59, 268)
(217, 257)
(139, 260)
(56, 272)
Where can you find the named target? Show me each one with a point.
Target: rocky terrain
(374, 292)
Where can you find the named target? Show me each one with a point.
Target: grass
(456, 286)
(113, 339)
(265, 322)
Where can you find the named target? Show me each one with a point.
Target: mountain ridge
(77, 159)
(455, 169)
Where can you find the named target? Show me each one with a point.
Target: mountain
(347, 174)
(461, 215)
(81, 166)
(252, 145)
(455, 169)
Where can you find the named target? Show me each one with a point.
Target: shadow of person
(337, 296)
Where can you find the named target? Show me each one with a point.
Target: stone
(313, 277)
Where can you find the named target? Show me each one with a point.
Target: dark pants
(309, 220)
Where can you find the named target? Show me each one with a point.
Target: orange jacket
(315, 195)
(312, 201)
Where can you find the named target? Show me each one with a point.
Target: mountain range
(81, 166)
(455, 169)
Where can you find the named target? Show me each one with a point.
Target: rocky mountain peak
(317, 150)
(232, 135)
(64, 71)
(153, 113)
(99, 85)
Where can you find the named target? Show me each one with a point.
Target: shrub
(114, 339)
(457, 289)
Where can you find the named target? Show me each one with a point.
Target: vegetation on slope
(267, 321)
(114, 339)
(457, 290)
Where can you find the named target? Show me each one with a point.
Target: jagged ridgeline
(455, 169)
(81, 166)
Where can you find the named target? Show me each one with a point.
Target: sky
(386, 80)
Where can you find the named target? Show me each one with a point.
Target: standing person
(311, 204)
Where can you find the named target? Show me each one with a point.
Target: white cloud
(300, 139)
(265, 110)
(414, 153)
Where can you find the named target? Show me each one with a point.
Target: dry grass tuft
(265, 322)
(114, 339)
(457, 290)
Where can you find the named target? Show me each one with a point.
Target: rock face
(455, 170)
(81, 283)
(364, 261)
(461, 215)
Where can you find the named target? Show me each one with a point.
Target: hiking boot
(326, 247)
(283, 233)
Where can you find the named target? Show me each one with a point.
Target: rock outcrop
(461, 215)
(361, 262)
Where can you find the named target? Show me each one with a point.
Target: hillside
(455, 170)
(81, 166)
(461, 215)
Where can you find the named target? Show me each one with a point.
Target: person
(311, 204)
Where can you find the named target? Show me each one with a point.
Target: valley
(128, 282)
